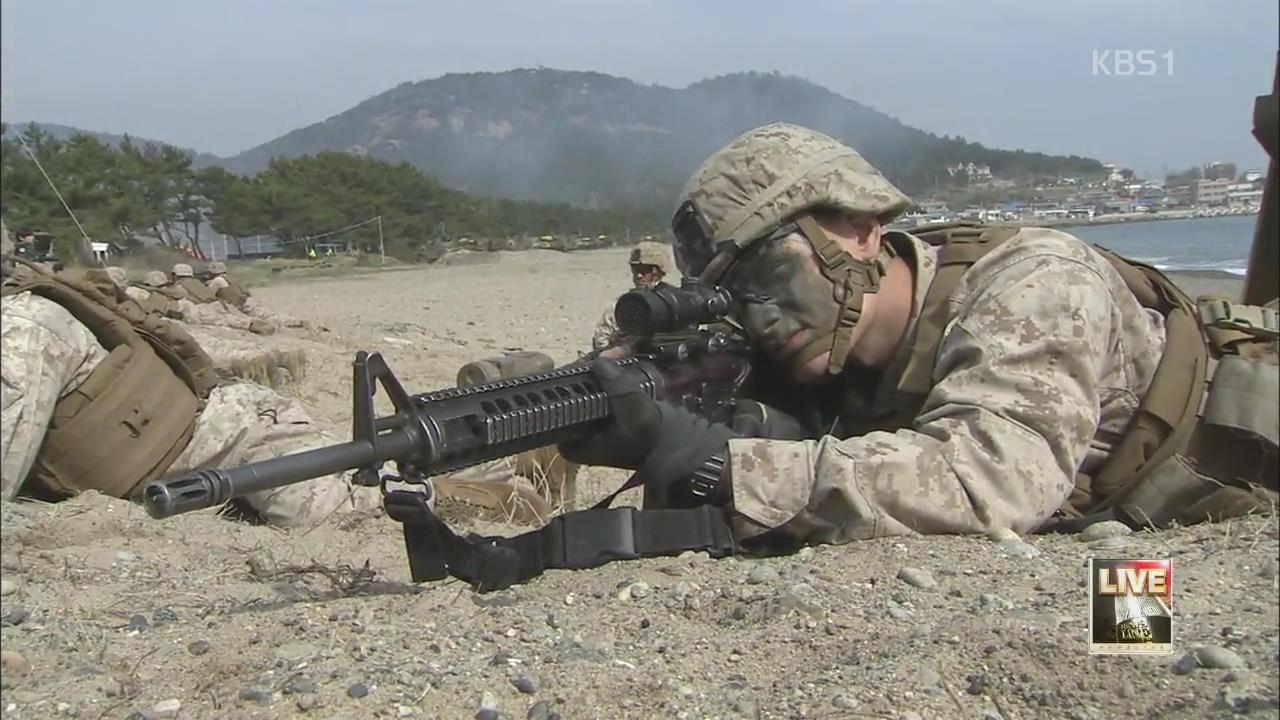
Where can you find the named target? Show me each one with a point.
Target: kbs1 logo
(1130, 607)
(1132, 63)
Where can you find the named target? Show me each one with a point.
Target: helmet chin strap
(851, 279)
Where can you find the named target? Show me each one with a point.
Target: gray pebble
(166, 709)
(639, 590)
(1218, 657)
(917, 577)
(1110, 543)
(125, 556)
(198, 647)
(843, 701)
(164, 615)
(540, 710)
(357, 690)
(898, 613)
(136, 716)
(256, 695)
(138, 622)
(989, 601)
(293, 652)
(1270, 568)
(1105, 529)
(299, 685)
(1185, 665)
(927, 677)
(8, 587)
(525, 685)
(683, 589)
(487, 714)
(1019, 549)
(15, 617)
(762, 574)
(306, 702)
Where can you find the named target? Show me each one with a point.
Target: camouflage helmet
(118, 275)
(183, 270)
(651, 253)
(217, 267)
(155, 278)
(750, 187)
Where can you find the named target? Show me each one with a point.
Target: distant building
(1252, 176)
(1211, 192)
(970, 169)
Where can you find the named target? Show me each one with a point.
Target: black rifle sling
(573, 541)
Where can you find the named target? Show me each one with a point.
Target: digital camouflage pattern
(607, 331)
(1037, 375)
(652, 253)
(749, 187)
(47, 353)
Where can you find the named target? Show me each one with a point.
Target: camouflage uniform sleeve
(606, 332)
(996, 445)
(45, 352)
(217, 283)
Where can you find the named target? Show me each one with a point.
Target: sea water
(1219, 243)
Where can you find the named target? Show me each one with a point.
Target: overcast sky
(225, 75)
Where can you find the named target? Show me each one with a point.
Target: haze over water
(1196, 244)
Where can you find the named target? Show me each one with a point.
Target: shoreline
(1122, 218)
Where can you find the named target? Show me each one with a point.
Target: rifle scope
(666, 308)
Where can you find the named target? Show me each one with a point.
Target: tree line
(140, 193)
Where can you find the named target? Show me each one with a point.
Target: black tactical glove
(663, 443)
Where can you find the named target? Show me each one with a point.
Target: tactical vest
(233, 293)
(154, 302)
(136, 411)
(196, 291)
(1203, 441)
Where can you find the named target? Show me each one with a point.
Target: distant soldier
(157, 294)
(185, 278)
(234, 293)
(649, 264)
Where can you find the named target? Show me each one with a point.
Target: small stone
(843, 701)
(138, 622)
(762, 574)
(525, 685)
(1019, 549)
(299, 685)
(910, 715)
(1218, 657)
(569, 599)
(989, 601)
(501, 659)
(8, 587)
(898, 613)
(927, 677)
(256, 695)
(166, 709)
(13, 662)
(917, 577)
(357, 690)
(977, 684)
(1270, 569)
(293, 652)
(1185, 665)
(164, 615)
(639, 590)
(488, 701)
(645, 623)
(488, 714)
(1114, 542)
(404, 711)
(15, 617)
(1105, 529)
(198, 647)
(306, 702)
(540, 710)
(125, 556)
(683, 589)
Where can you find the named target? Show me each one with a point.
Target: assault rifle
(446, 430)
